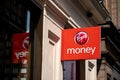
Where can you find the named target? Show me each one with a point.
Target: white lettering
(89, 50)
(70, 51)
(77, 51)
(93, 50)
(21, 54)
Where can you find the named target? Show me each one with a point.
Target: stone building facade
(47, 20)
(109, 64)
(56, 16)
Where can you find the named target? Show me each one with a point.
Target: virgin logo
(26, 43)
(81, 38)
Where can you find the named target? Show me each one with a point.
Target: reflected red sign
(20, 47)
(81, 43)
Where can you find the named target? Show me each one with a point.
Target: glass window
(69, 70)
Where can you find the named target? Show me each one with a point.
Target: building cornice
(100, 14)
(82, 7)
(56, 9)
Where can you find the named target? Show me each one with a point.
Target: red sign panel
(81, 43)
(20, 47)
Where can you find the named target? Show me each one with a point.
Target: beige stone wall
(51, 60)
(114, 13)
(118, 14)
(102, 73)
(113, 7)
(90, 72)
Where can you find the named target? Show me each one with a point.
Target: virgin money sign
(20, 47)
(81, 43)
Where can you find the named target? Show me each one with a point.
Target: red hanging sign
(81, 43)
(20, 47)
